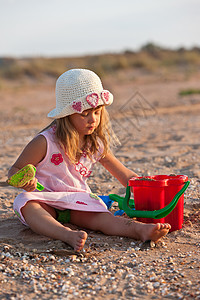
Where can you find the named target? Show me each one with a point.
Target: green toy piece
(20, 178)
(120, 200)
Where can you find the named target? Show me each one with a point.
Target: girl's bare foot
(155, 231)
(76, 239)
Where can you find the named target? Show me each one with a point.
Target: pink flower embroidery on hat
(105, 95)
(92, 99)
(77, 106)
(56, 159)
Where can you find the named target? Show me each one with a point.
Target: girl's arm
(33, 153)
(117, 169)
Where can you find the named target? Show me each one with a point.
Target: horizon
(161, 48)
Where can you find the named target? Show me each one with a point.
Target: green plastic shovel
(20, 178)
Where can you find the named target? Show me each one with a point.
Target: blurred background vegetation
(149, 58)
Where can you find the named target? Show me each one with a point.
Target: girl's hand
(31, 185)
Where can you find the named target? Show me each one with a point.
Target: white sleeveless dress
(65, 183)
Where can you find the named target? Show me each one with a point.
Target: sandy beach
(159, 132)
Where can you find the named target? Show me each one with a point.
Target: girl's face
(86, 122)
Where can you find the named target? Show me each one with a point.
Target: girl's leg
(119, 226)
(41, 219)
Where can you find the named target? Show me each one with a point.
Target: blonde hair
(68, 137)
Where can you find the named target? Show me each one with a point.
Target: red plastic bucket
(174, 185)
(155, 192)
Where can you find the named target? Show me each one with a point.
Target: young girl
(64, 154)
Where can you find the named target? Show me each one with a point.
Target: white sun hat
(78, 90)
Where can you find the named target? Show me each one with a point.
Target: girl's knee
(28, 205)
(90, 220)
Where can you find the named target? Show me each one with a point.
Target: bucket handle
(155, 214)
(120, 199)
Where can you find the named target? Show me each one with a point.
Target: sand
(161, 135)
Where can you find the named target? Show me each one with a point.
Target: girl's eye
(84, 114)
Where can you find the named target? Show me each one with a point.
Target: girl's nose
(92, 118)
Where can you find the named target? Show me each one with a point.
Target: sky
(80, 27)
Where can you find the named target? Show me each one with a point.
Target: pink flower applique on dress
(56, 159)
(79, 202)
